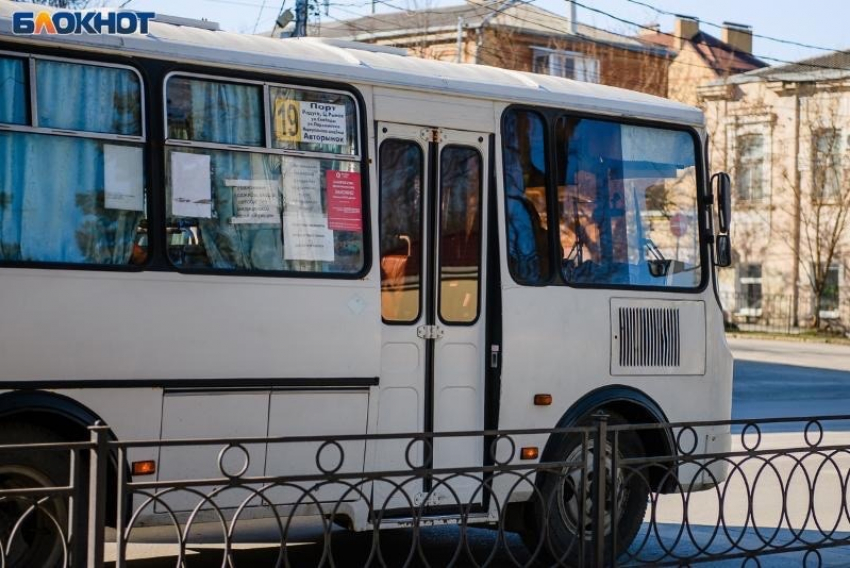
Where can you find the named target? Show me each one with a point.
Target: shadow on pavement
(439, 545)
(716, 540)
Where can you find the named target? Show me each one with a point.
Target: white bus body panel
(97, 325)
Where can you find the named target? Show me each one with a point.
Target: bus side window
(256, 207)
(526, 201)
(78, 197)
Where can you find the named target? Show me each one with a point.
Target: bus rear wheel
(561, 516)
(38, 539)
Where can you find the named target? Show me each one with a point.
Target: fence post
(99, 458)
(598, 482)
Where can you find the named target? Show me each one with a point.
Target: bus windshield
(627, 198)
(626, 203)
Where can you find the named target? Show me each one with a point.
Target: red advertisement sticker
(345, 209)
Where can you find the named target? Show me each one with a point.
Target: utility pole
(300, 18)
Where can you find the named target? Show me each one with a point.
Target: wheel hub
(575, 499)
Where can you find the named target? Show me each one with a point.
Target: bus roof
(360, 63)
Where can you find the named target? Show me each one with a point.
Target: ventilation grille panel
(649, 337)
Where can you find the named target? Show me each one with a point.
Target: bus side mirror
(722, 186)
(723, 258)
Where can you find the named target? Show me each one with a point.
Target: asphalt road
(784, 378)
(772, 379)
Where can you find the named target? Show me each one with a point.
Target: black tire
(38, 541)
(555, 523)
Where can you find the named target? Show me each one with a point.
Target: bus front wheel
(561, 515)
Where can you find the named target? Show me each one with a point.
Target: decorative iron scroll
(770, 487)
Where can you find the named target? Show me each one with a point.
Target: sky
(819, 23)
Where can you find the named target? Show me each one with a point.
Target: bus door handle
(429, 331)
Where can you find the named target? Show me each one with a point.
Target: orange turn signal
(529, 453)
(147, 467)
(542, 399)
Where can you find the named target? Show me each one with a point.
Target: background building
(699, 57)
(520, 36)
(782, 133)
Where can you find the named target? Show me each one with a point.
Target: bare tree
(820, 193)
(824, 212)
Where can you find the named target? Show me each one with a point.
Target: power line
(603, 43)
(645, 27)
(721, 26)
(582, 38)
(259, 15)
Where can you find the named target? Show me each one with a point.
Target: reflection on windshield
(627, 197)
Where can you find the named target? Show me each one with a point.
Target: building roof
(518, 16)
(719, 56)
(363, 64)
(830, 67)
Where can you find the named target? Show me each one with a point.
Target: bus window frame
(359, 158)
(423, 163)
(551, 208)
(267, 147)
(550, 116)
(438, 241)
(32, 100)
(29, 57)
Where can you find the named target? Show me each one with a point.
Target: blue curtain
(231, 114)
(52, 203)
(88, 98)
(241, 246)
(52, 187)
(13, 91)
(225, 113)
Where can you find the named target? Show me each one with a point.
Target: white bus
(207, 234)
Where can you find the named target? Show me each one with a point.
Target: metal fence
(770, 313)
(784, 493)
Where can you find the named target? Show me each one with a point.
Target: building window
(567, 64)
(750, 167)
(826, 165)
(830, 295)
(749, 290)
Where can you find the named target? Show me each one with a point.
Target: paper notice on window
(323, 123)
(312, 122)
(345, 210)
(307, 237)
(255, 201)
(191, 185)
(123, 177)
(302, 185)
